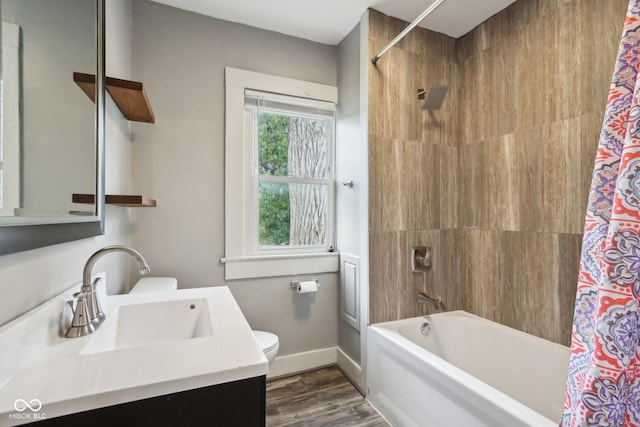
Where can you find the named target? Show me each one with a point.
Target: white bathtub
(468, 371)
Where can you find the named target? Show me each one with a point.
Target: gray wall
(180, 56)
(29, 278)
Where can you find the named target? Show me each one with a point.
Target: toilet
(269, 343)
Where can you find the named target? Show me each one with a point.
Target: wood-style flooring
(323, 397)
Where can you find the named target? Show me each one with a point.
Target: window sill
(247, 267)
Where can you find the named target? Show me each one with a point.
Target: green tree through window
(274, 198)
(292, 213)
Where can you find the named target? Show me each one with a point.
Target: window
(279, 188)
(292, 141)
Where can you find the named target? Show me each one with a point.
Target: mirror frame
(17, 238)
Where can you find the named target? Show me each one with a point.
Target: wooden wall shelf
(132, 201)
(129, 96)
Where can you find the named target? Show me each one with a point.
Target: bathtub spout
(425, 299)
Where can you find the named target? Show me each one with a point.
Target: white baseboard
(351, 369)
(299, 362)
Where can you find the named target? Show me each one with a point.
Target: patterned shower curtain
(603, 387)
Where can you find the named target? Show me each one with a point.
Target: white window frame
(241, 259)
(253, 144)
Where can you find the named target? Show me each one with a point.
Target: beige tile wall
(412, 189)
(497, 181)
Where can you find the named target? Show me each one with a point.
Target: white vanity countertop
(36, 363)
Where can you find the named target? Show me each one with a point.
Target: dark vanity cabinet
(239, 403)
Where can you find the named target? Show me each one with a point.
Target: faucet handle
(96, 314)
(94, 296)
(81, 323)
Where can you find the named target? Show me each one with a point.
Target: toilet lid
(267, 340)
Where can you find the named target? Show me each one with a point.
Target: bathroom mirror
(51, 133)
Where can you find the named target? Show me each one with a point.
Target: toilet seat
(266, 340)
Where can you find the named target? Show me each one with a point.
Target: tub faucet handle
(420, 259)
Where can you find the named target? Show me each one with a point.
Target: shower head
(433, 97)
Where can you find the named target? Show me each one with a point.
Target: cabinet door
(239, 403)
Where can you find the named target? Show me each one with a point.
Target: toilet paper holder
(298, 285)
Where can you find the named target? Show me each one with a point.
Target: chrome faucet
(88, 305)
(437, 302)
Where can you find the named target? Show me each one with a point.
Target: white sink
(151, 344)
(136, 325)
